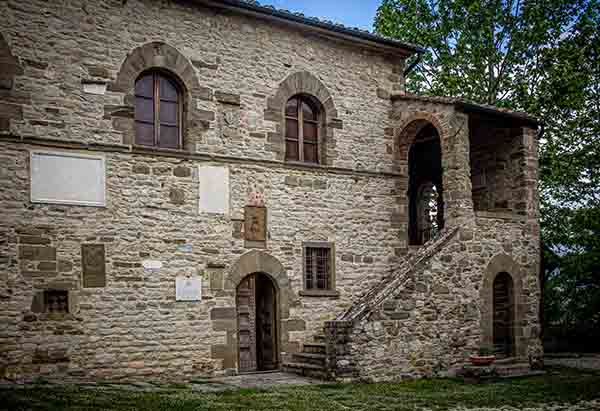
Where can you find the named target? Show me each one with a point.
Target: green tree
(542, 57)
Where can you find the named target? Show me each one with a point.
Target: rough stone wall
(434, 322)
(133, 326)
(237, 64)
(234, 69)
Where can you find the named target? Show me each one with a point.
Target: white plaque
(213, 189)
(94, 88)
(188, 289)
(67, 178)
(152, 265)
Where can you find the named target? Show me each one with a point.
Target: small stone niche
(56, 302)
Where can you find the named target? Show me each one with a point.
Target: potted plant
(485, 356)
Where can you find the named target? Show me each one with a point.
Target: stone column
(456, 166)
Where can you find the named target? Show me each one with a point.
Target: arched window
(302, 130)
(158, 111)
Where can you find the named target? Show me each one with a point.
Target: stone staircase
(311, 362)
(416, 260)
(315, 360)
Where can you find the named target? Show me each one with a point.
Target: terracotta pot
(482, 359)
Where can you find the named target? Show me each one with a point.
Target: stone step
(310, 358)
(509, 370)
(307, 370)
(314, 348)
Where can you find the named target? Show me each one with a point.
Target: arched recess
(10, 68)
(255, 262)
(303, 83)
(419, 156)
(156, 56)
(503, 265)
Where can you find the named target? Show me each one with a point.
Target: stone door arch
(259, 267)
(502, 314)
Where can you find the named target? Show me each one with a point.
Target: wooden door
(503, 315)
(266, 324)
(246, 315)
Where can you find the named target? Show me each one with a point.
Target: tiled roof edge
(255, 6)
(470, 107)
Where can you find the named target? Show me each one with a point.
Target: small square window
(319, 269)
(56, 301)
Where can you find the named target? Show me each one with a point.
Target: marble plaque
(213, 182)
(67, 178)
(93, 265)
(188, 289)
(255, 223)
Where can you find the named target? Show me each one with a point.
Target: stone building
(200, 187)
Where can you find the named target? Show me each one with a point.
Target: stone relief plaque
(188, 289)
(93, 265)
(255, 223)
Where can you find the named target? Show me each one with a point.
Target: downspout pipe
(412, 65)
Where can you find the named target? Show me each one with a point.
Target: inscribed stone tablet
(188, 289)
(93, 265)
(67, 178)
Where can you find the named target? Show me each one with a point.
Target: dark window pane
(310, 132)
(291, 128)
(317, 268)
(168, 113)
(168, 89)
(308, 112)
(144, 109)
(291, 108)
(169, 137)
(291, 150)
(144, 134)
(310, 153)
(308, 266)
(144, 86)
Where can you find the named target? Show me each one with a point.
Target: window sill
(303, 164)
(320, 293)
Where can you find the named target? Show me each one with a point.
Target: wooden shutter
(144, 110)
(301, 131)
(169, 113)
(158, 111)
(246, 313)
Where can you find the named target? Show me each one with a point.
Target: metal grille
(56, 301)
(317, 266)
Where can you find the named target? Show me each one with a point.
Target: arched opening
(503, 308)
(303, 115)
(158, 110)
(256, 304)
(425, 190)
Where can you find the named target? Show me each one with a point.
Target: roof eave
(340, 32)
(477, 109)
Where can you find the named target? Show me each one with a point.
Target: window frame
(310, 101)
(156, 99)
(316, 292)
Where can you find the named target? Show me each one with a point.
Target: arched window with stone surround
(302, 117)
(158, 110)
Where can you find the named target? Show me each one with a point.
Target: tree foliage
(542, 57)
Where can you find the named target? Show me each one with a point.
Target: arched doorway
(504, 313)
(256, 305)
(425, 190)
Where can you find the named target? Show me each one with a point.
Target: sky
(352, 13)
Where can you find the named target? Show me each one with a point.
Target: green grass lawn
(558, 386)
